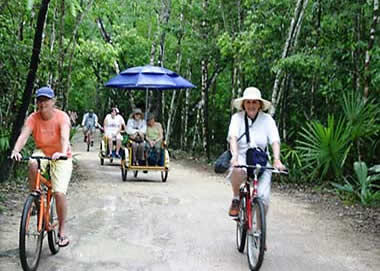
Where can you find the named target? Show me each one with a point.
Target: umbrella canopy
(148, 77)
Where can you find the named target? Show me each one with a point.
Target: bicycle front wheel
(53, 233)
(241, 225)
(256, 236)
(30, 239)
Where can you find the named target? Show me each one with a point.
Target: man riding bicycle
(50, 128)
(89, 123)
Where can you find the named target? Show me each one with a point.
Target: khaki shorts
(60, 172)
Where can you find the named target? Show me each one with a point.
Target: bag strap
(246, 125)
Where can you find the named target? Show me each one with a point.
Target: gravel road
(144, 224)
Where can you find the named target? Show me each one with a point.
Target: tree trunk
(294, 28)
(367, 77)
(107, 38)
(172, 110)
(27, 95)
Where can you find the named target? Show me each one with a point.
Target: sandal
(63, 241)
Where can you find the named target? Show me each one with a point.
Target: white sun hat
(251, 93)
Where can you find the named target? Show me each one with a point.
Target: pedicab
(160, 163)
(104, 150)
(146, 78)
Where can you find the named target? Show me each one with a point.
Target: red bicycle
(251, 223)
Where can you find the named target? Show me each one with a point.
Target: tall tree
(28, 90)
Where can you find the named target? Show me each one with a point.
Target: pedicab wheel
(164, 176)
(123, 174)
(101, 161)
(135, 173)
(111, 160)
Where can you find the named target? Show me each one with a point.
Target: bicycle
(251, 222)
(38, 216)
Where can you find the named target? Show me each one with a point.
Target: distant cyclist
(89, 123)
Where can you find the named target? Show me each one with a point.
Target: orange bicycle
(38, 216)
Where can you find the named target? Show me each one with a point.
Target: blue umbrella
(148, 77)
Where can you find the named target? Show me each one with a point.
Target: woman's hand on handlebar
(57, 155)
(278, 165)
(16, 155)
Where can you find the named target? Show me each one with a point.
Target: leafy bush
(323, 150)
(363, 187)
(292, 161)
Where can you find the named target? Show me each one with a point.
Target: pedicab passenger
(113, 125)
(136, 129)
(154, 137)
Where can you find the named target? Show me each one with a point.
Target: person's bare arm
(276, 156)
(20, 143)
(234, 150)
(65, 141)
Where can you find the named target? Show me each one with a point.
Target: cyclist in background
(89, 123)
(50, 128)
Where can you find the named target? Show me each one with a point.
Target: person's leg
(140, 151)
(61, 206)
(118, 145)
(263, 191)
(109, 139)
(134, 151)
(33, 168)
(32, 172)
(237, 177)
(61, 174)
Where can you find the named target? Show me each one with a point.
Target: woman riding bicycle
(50, 128)
(262, 130)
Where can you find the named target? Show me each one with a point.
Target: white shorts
(113, 136)
(60, 172)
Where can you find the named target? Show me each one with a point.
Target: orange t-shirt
(47, 133)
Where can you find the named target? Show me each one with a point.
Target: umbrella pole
(146, 103)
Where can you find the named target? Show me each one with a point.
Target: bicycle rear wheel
(53, 234)
(241, 225)
(256, 236)
(30, 239)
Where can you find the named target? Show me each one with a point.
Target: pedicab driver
(50, 128)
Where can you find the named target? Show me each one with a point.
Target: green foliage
(292, 160)
(4, 140)
(323, 150)
(361, 188)
(362, 115)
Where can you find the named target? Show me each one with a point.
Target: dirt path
(144, 224)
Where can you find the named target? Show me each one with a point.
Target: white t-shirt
(263, 132)
(113, 124)
(134, 126)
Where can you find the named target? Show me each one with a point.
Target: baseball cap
(45, 91)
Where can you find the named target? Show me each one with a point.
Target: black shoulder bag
(254, 155)
(222, 163)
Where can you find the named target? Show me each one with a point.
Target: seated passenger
(154, 136)
(113, 125)
(136, 129)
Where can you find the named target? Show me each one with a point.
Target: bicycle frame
(45, 214)
(250, 196)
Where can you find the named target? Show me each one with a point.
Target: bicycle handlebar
(274, 170)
